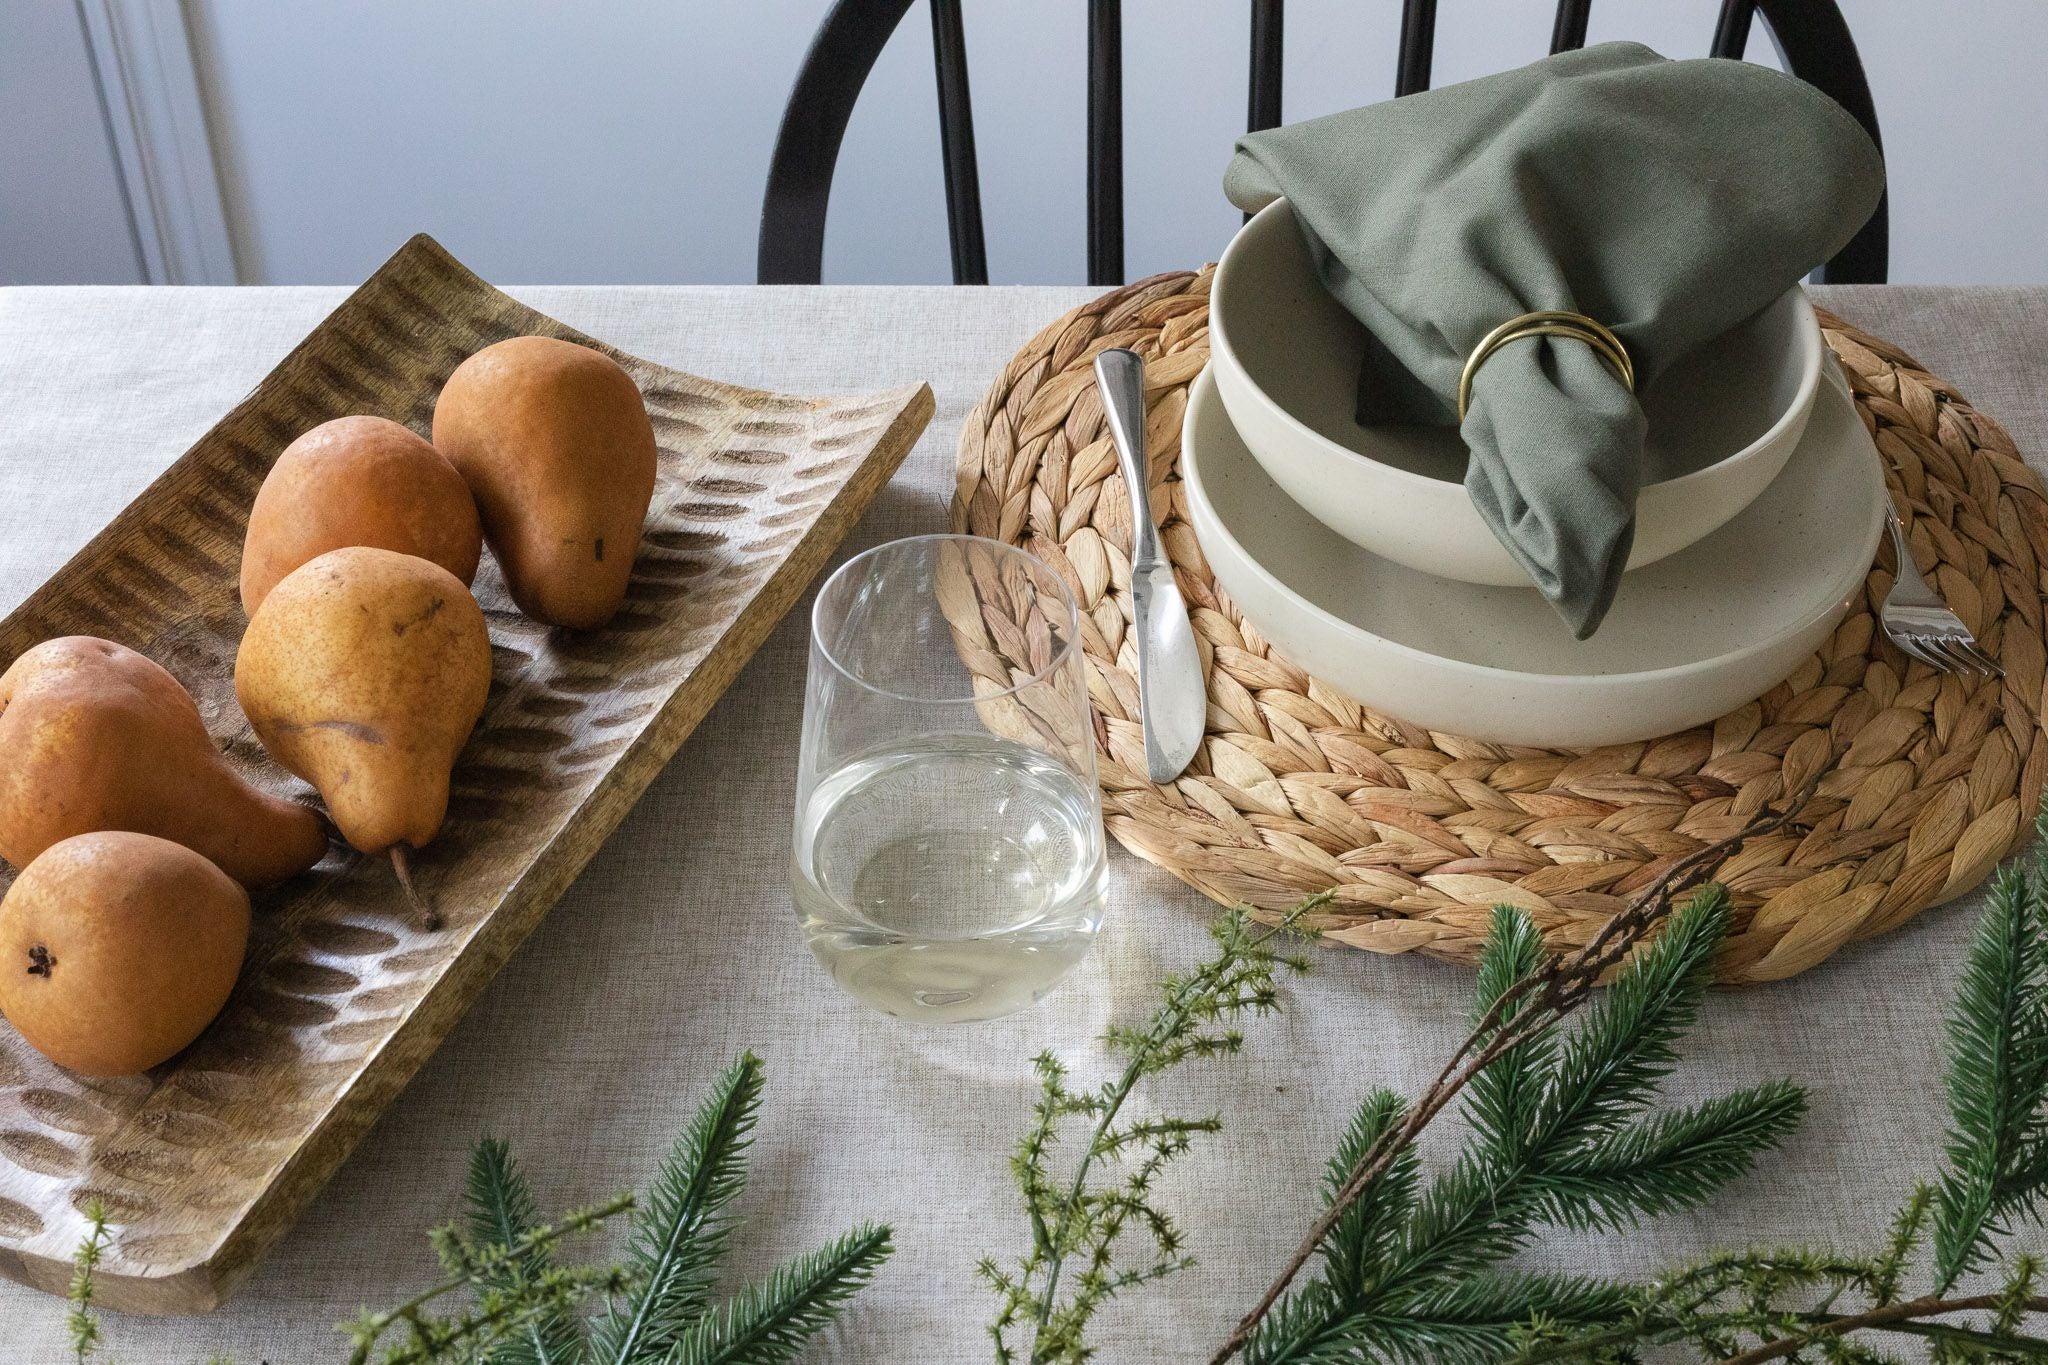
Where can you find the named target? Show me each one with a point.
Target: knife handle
(1120, 375)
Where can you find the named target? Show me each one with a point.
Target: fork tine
(1950, 648)
(1910, 646)
(1922, 647)
(1963, 647)
(1983, 656)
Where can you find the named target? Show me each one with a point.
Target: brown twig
(1555, 989)
(401, 863)
(1932, 1306)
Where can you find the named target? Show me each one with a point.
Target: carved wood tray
(202, 1163)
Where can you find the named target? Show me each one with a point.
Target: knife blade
(1173, 700)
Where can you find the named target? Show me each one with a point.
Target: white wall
(627, 140)
(63, 219)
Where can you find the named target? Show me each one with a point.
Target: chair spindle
(1268, 45)
(1105, 142)
(1568, 30)
(1418, 45)
(1731, 28)
(956, 136)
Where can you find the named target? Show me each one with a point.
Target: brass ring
(1554, 323)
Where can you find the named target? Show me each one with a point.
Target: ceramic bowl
(1689, 638)
(1722, 421)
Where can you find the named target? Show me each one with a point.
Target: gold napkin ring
(1549, 323)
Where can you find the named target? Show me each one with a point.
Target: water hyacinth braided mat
(1927, 780)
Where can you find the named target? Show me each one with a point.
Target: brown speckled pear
(118, 949)
(363, 672)
(358, 481)
(97, 737)
(555, 442)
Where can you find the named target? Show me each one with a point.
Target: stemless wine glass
(948, 861)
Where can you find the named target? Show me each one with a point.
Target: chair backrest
(1811, 36)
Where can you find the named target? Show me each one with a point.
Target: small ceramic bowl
(1688, 640)
(1722, 421)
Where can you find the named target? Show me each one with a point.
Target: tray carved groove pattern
(1926, 780)
(202, 1163)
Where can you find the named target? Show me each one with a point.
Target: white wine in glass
(948, 860)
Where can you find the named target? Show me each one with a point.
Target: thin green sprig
(482, 1270)
(1083, 1226)
(83, 1320)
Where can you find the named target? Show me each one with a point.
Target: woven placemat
(1927, 778)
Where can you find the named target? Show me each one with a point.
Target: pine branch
(1628, 1043)
(523, 1309)
(1354, 1247)
(1480, 1320)
(768, 1323)
(1563, 1140)
(1997, 1076)
(676, 1248)
(1670, 1161)
(502, 1211)
(1759, 1306)
(1501, 1101)
(1526, 1010)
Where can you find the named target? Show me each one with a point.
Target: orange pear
(363, 672)
(98, 737)
(358, 481)
(553, 439)
(117, 950)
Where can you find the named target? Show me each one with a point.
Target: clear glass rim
(1039, 568)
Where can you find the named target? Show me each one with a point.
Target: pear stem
(401, 863)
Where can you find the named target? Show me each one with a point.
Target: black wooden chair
(1811, 36)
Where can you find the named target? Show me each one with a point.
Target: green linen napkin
(1668, 199)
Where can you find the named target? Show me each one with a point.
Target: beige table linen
(678, 946)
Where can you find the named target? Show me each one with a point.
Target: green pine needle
(1628, 1041)
(1997, 1076)
(768, 1323)
(1354, 1244)
(1670, 1161)
(676, 1248)
(1501, 1101)
(502, 1212)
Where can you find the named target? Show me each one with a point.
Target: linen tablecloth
(677, 947)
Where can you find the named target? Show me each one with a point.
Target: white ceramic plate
(1722, 420)
(1690, 637)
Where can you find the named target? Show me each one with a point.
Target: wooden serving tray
(203, 1163)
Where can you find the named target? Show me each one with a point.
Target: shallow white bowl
(1688, 639)
(1722, 421)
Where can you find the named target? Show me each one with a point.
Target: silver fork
(1919, 623)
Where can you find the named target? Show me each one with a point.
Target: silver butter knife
(1173, 701)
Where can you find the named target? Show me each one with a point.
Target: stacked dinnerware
(1356, 549)
(1517, 424)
